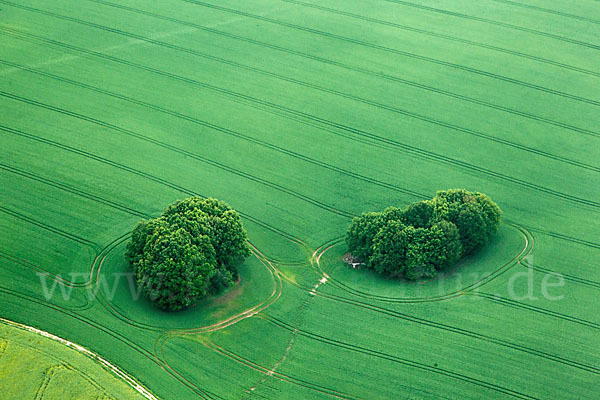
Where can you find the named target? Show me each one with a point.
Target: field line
(365, 71)
(287, 378)
(497, 23)
(3, 346)
(403, 361)
(405, 148)
(396, 51)
(106, 330)
(159, 345)
(51, 228)
(439, 36)
(34, 267)
(48, 375)
(71, 57)
(225, 131)
(539, 310)
(272, 298)
(255, 102)
(99, 327)
(182, 151)
(490, 340)
(529, 241)
(566, 238)
(131, 43)
(159, 353)
(568, 277)
(548, 10)
(71, 189)
(328, 35)
(277, 109)
(142, 174)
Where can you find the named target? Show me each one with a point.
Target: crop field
(300, 114)
(52, 370)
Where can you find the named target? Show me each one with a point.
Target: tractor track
(60, 362)
(411, 150)
(496, 23)
(390, 50)
(548, 11)
(48, 375)
(230, 132)
(457, 330)
(37, 268)
(71, 189)
(224, 131)
(341, 65)
(403, 112)
(355, 98)
(571, 278)
(411, 363)
(527, 249)
(142, 174)
(330, 36)
(166, 334)
(567, 362)
(566, 238)
(296, 381)
(159, 357)
(159, 348)
(74, 190)
(370, 138)
(183, 152)
(539, 310)
(384, 356)
(439, 36)
(275, 294)
(400, 360)
(75, 238)
(80, 349)
(467, 333)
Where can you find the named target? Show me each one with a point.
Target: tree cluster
(425, 237)
(192, 250)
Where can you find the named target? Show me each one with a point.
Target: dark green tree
(190, 251)
(361, 233)
(388, 251)
(174, 268)
(219, 221)
(471, 224)
(492, 213)
(475, 214)
(421, 254)
(451, 249)
(419, 214)
(425, 237)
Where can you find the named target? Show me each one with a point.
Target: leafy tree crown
(189, 252)
(425, 237)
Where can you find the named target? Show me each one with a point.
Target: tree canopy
(425, 237)
(192, 250)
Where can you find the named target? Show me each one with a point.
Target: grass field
(35, 367)
(301, 114)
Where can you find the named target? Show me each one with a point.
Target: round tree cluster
(426, 237)
(191, 251)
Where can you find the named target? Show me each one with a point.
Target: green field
(301, 114)
(32, 367)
